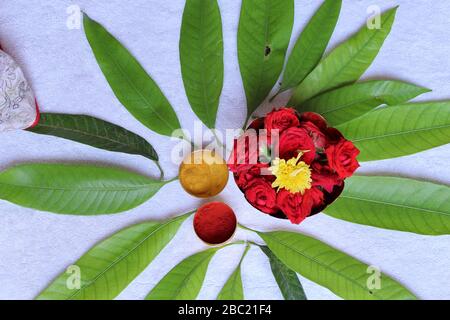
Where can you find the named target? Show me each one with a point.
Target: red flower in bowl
(292, 165)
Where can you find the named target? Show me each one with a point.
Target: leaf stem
(185, 215)
(247, 119)
(255, 244)
(220, 143)
(245, 253)
(171, 180)
(233, 243)
(161, 176)
(185, 138)
(246, 228)
(275, 95)
(217, 138)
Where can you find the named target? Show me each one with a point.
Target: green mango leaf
(201, 55)
(265, 28)
(233, 289)
(399, 130)
(328, 267)
(110, 266)
(350, 102)
(287, 280)
(94, 132)
(395, 203)
(311, 44)
(185, 280)
(347, 63)
(76, 189)
(131, 84)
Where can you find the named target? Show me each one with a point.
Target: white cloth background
(36, 246)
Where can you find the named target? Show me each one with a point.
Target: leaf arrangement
(375, 115)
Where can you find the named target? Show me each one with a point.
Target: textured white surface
(36, 246)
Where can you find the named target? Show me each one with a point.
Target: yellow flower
(293, 175)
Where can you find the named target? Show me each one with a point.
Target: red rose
(297, 206)
(315, 118)
(281, 119)
(323, 176)
(248, 173)
(261, 195)
(319, 138)
(294, 140)
(342, 158)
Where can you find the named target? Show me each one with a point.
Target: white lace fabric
(17, 103)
